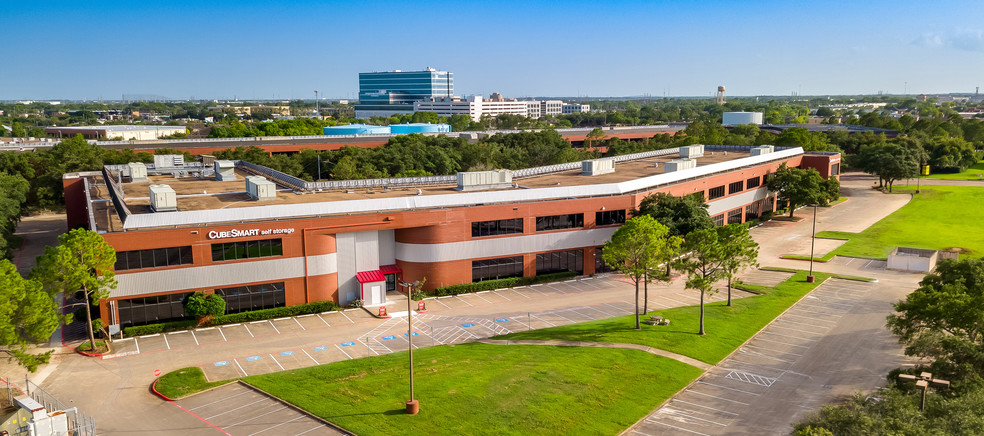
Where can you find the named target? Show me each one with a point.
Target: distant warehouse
(109, 132)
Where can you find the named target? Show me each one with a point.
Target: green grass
(726, 327)
(185, 381)
(973, 173)
(486, 389)
(939, 217)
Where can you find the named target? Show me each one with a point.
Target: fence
(78, 423)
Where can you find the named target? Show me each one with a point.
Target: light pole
(813, 242)
(924, 381)
(317, 107)
(413, 407)
(919, 176)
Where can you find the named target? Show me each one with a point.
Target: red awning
(370, 276)
(390, 269)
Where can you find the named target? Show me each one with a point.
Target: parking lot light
(413, 407)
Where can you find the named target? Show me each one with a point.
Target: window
(769, 205)
(609, 217)
(500, 227)
(491, 269)
(149, 310)
(717, 192)
(736, 187)
(751, 211)
(734, 216)
(557, 222)
(558, 261)
(719, 220)
(247, 249)
(752, 183)
(253, 297)
(600, 265)
(835, 169)
(153, 258)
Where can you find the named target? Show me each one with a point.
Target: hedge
(256, 315)
(512, 282)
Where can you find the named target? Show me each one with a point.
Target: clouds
(967, 40)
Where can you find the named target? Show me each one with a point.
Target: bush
(150, 329)
(277, 312)
(356, 303)
(512, 282)
(200, 305)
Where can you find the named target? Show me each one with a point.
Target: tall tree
(595, 134)
(803, 186)
(681, 215)
(702, 264)
(663, 248)
(738, 251)
(82, 262)
(630, 251)
(28, 315)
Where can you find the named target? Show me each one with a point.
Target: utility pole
(317, 108)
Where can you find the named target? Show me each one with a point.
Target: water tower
(720, 96)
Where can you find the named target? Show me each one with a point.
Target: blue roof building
(393, 92)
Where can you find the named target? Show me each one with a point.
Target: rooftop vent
(680, 164)
(597, 167)
(692, 151)
(225, 170)
(163, 198)
(168, 160)
(483, 180)
(762, 149)
(138, 171)
(259, 188)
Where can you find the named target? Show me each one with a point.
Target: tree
(595, 134)
(663, 248)
(702, 264)
(803, 186)
(631, 251)
(28, 315)
(890, 162)
(738, 251)
(681, 215)
(82, 262)
(204, 306)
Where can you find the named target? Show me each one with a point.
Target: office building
(394, 92)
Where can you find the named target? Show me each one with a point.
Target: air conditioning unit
(692, 151)
(680, 164)
(484, 180)
(163, 198)
(597, 167)
(762, 149)
(138, 171)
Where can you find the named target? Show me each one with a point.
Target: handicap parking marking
(286, 353)
(253, 358)
(466, 325)
(348, 344)
(320, 348)
(414, 333)
(388, 338)
(502, 320)
(221, 363)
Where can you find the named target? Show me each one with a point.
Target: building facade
(347, 240)
(394, 92)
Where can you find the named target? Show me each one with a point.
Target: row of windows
(600, 265)
(491, 269)
(610, 217)
(253, 297)
(498, 227)
(736, 187)
(153, 258)
(150, 310)
(716, 192)
(557, 222)
(734, 216)
(560, 261)
(247, 249)
(752, 183)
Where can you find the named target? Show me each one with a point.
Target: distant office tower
(394, 92)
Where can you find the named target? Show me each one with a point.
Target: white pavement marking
(773, 349)
(221, 400)
(346, 316)
(240, 407)
(656, 303)
(171, 333)
(497, 292)
(715, 396)
(137, 343)
(277, 425)
(323, 320)
(223, 335)
(795, 330)
(343, 351)
(442, 304)
(299, 324)
(806, 317)
(682, 413)
(275, 361)
(194, 337)
(482, 298)
(788, 336)
(248, 331)
(274, 327)
(240, 367)
(725, 387)
(149, 336)
(309, 431)
(257, 416)
(677, 301)
(312, 358)
(463, 300)
(678, 428)
(168, 345)
(698, 405)
(537, 291)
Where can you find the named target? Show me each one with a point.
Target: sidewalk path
(650, 350)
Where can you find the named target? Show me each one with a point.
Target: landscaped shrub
(150, 329)
(488, 285)
(256, 315)
(201, 305)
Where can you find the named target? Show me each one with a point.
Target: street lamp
(924, 381)
(413, 407)
(813, 242)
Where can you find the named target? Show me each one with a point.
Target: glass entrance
(390, 282)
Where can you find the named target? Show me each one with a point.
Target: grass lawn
(973, 173)
(185, 381)
(726, 327)
(939, 217)
(486, 389)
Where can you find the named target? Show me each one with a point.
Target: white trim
(498, 247)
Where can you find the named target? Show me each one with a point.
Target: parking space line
(257, 416)
(644, 434)
(309, 431)
(343, 351)
(559, 291)
(765, 356)
(482, 298)
(557, 313)
(677, 301)
(513, 290)
(806, 317)
(617, 309)
(780, 342)
(678, 428)
(772, 349)
(535, 290)
(299, 324)
(711, 408)
(442, 304)
(275, 361)
(496, 292)
(656, 303)
(312, 358)
(787, 336)
(222, 399)
(194, 337)
(346, 316)
(137, 343)
(274, 327)
(323, 320)
(240, 407)
(671, 411)
(277, 425)
(598, 310)
(240, 367)
(463, 300)
(819, 307)
(168, 345)
(248, 331)
(725, 387)
(795, 330)
(825, 327)
(715, 396)
(548, 322)
(223, 335)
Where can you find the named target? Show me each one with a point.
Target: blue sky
(265, 49)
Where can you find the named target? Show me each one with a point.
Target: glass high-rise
(391, 92)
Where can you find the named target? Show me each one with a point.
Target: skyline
(252, 50)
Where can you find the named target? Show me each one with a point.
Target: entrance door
(390, 282)
(378, 295)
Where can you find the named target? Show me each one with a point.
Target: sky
(92, 50)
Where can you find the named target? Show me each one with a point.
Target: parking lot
(763, 379)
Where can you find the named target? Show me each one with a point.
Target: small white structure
(225, 170)
(259, 188)
(739, 118)
(168, 160)
(138, 171)
(483, 180)
(598, 166)
(692, 151)
(912, 259)
(41, 422)
(680, 164)
(760, 150)
(163, 198)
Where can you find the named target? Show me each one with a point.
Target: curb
(153, 388)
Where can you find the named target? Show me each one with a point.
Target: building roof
(370, 276)
(119, 128)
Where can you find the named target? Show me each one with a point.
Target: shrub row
(256, 315)
(488, 285)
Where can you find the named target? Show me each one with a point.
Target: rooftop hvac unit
(762, 149)
(168, 160)
(482, 180)
(259, 188)
(597, 167)
(138, 171)
(692, 151)
(225, 170)
(163, 198)
(680, 164)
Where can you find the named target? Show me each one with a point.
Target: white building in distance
(137, 132)
(476, 106)
(739, 118)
